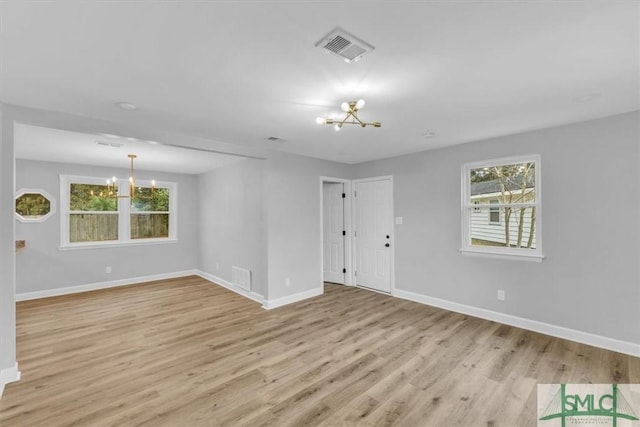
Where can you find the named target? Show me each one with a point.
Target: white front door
(373, 213)
(333, 232)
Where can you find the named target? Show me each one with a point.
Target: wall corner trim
(289, 299)
(520, 322)
(9, 375)
(228, 285)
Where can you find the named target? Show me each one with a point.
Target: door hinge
(355, 234)
(355, 194)
(355, 272)
(344, 271)
(344, 195)
(344, 232)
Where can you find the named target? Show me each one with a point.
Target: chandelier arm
(349, 113)
(355, 116)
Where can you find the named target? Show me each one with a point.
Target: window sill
(102, 245)
(502, 255)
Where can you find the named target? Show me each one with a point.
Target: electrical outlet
(107, 269)
(287, 281)
(501, 295)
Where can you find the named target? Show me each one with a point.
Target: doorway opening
(335, 230)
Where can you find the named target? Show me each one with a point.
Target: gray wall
(292, 196)
(43, 266)
(7, 247)
(232, 222)
(589, 280)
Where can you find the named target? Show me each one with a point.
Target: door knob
(386, 245)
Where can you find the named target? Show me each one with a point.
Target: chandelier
(112, 190)
(351, 108)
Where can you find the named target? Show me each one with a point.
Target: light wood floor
(185, 352)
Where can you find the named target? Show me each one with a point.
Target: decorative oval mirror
(34, 205)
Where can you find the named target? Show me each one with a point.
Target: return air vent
(241, 277)
(347, 46)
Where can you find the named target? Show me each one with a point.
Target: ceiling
(55, 145)
(242, 71)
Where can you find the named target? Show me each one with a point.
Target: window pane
(514, 183)
(494, 213)
(150, 200)
(93, 227)
(32, 205)
(516, 227)
(149, 226)
(92, 198)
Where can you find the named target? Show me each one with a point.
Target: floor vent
(241, 278)
(346, 46)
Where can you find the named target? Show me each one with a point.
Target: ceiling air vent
(109, 144)
(275, 139)
(346, 46)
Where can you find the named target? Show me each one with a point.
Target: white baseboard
(225, 284)
(520, 322)
(8, 375)
(101, 285)
(279, 302)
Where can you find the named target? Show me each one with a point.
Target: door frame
(392, 240)
(348, 226)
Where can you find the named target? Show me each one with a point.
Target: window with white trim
(501, 207)
(93, 216)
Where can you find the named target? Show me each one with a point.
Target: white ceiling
(55, 145)
(241, 71)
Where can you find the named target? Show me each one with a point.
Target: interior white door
(373, 206)
(333, 232)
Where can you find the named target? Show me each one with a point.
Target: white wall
(292, 196)
(232, 222)
(42, 266)
(589, 280)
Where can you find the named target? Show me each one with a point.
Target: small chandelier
(112, 191)
(351, 108)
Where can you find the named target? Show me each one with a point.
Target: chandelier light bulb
(320, 120)
(345, 107)
(336, 128)
(360, 104)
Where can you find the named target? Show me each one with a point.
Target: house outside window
(93, 216)
(501, 208)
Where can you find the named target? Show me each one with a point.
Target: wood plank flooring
(185, 352)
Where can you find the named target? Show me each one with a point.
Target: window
(150, 213)
(34, 205)
(501, 208)
(494, 213)
(92, 216)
